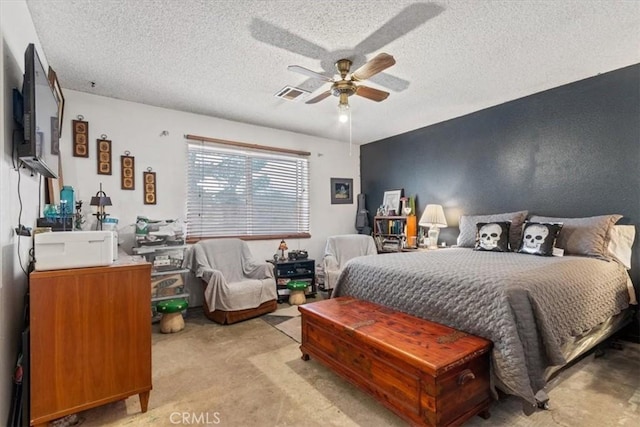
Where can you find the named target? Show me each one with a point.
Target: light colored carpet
(251, 373)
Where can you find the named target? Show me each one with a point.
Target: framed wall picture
(57, 90)
(55, 139)
(80, 138)
(150, 187)
(127, 171)
(391, 201)
(341, 191)
(104, 156)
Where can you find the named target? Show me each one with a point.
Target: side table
(299, 270)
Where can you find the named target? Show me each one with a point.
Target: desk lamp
(100, 200)
(283, 247)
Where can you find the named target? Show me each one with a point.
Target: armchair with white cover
(236, 286)
(340, 249)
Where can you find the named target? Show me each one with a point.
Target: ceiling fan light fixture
(343, 114)
(343, 109)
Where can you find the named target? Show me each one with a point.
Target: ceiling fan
(346, 86)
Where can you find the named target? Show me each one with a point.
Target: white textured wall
(17, 33)
(137, 128)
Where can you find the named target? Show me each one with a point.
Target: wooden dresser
(427, 373)
(90, 338)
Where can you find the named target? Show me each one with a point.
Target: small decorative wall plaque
(55, 136)
(150, 187)
(127, 172)
(104, 155)
(80, 138)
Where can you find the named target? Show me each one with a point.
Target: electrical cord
(20, 225)
(40, 194)
(16, 166)
(13, 151)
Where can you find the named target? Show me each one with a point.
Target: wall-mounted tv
(39, 150)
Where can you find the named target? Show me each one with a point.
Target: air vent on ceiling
(292, 93)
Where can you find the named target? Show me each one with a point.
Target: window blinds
(235, 192)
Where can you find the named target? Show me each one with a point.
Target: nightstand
(299, 270)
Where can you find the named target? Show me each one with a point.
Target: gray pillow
(468, 230)
(583, 236)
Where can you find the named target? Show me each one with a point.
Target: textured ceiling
(227, 59)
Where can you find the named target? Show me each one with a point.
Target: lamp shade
(433, 216)
(100, 201)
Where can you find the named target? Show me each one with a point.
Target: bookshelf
(394, 233)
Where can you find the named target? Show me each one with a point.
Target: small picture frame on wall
(104, 156)
(80, 131)
(150, 187)
(55, 139)
(341, 191)
(391, 201)
(127, 171)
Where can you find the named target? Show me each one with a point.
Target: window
(236, 192)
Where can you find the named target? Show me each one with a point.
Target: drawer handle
(465, 377)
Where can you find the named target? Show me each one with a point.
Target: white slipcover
(339, 250)
(235, 280)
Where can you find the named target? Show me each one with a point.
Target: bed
(540, 312)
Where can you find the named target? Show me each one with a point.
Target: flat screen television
(40, 148)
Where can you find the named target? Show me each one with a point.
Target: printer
(73, 249)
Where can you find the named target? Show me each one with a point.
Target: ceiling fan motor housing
(343, 86)
(343, 66)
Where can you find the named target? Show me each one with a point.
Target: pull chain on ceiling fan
(346, 85)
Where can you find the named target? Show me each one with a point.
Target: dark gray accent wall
(571, 151)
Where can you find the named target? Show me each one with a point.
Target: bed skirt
(581, 345)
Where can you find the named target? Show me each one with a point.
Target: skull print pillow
(539, 238)
(492, 236)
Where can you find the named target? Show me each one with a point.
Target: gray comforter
(528, 306)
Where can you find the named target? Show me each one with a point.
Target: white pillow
(620, 241)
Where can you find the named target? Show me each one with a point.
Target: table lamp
(433, 217)
(100, 200)
(283, 247)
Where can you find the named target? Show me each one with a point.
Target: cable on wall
(19, 229)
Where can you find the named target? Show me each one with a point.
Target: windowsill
(263, 237)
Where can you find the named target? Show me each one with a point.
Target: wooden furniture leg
(485, 415)
(144, 401)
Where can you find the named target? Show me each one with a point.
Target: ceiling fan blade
(319, 98)
(390, 82)
(380, 62)
(271, 34)
(371, 93)
(308, 72)
(404, 22)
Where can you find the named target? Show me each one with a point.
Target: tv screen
(40, 149)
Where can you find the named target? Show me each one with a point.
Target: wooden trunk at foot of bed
(427, 373)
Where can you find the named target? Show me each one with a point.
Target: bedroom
(114, 117)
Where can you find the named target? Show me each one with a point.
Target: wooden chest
(427, 373)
